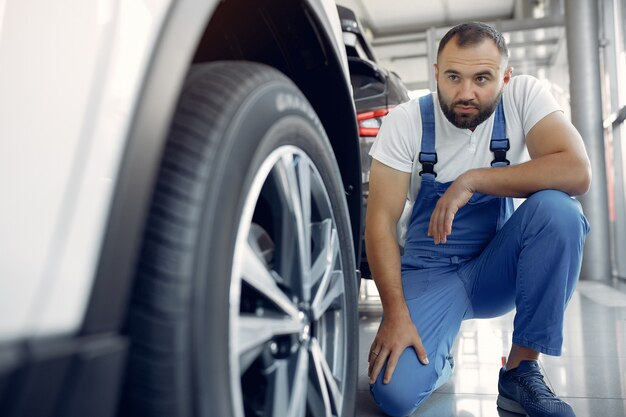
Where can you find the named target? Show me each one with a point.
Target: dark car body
(376, 91)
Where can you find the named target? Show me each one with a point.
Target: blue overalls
(494, 260)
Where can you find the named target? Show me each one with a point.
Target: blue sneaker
(523, 391)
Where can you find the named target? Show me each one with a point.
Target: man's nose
(466, 91)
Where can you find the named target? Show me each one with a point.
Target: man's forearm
(562, 171)
(383, 255)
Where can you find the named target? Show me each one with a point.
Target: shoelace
(534, 382)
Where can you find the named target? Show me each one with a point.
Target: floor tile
(461, 405)
(592, 407)
(586, 377)
(363, 382)
(365, 405)
(473, 379)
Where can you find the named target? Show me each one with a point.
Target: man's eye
(453, 77)
(481, 79)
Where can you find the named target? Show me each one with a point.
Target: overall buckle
(499, 149)
(428, 161)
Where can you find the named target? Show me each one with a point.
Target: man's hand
(394, 335)
(451, 201)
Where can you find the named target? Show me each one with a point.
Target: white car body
(63, 130)
(71, 73)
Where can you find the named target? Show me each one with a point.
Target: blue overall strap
(427, 155)
(499, 142)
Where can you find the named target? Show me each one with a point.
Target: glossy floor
(590, 375)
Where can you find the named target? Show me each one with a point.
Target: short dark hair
(473, 33)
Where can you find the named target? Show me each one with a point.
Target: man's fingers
(377, 365)
(435, 219)
(441, 215)
(440, 225)
(391, 358)
(370, 369)
(436, 226)
(391, 366)
(433, 225)
(374, 349)
(447, 224)
(421, 352)
(372, 356)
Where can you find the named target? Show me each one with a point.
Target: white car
(180, 209)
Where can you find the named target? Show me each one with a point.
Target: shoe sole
(510, 405)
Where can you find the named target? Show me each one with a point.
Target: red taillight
(370, 121)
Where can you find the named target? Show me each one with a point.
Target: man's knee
(409, 387)
(553, 210)
(398, 399)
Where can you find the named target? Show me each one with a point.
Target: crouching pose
(445, 169)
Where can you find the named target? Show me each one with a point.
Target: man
(443, 160)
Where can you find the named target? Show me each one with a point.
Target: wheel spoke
(317, 395)
(326, 379)
(257, 275)
(304, 186)
(288, 384)
(331, 284)
(291, 189)
(279, 383)
(335, 290)
(322, 235)
(286, 252)
(315, 401)
(254, 332)
(297, 406)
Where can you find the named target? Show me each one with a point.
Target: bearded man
(444, 243)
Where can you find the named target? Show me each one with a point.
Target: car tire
(245, 299)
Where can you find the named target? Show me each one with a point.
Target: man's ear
(508, 73)
(436, 71)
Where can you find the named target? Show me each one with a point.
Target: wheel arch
(189, 35)
(295, 37)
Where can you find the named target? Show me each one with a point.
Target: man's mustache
(466, 103)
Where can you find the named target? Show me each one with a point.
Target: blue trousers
(532, 264)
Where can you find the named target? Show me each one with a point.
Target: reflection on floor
(590, 375)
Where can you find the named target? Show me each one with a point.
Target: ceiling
(385, 17)
(405, 33)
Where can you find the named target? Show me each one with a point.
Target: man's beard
(467, 121)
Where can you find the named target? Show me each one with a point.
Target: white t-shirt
(526, 101)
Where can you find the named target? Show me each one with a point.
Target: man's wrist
(397, 311)
(471, 179)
